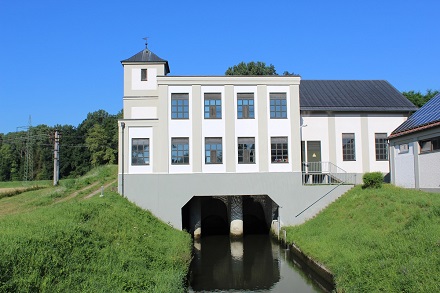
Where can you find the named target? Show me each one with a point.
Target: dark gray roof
(426, 117)
(352, 95)
(147, 56)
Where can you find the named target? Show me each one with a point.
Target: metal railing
(325, 173)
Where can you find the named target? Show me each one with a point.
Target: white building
(192, 143)
(415, 149)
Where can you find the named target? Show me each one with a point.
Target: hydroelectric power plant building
(227, 154)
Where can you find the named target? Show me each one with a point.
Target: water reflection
(253, 264)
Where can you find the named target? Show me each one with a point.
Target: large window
(348, 147)
(213, 106)
(381, 145)
(245, 106)
(430, 145)
(278, 149)
(278, 106)
(179, 106)
(140, 151)
(180, 151)
(246, 150)
(213, 150)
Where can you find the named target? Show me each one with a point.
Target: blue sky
(61, 59)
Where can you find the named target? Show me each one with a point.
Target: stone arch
(214, 216)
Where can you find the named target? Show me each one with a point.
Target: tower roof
(146, 56)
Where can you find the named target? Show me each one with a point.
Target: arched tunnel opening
(212, 215)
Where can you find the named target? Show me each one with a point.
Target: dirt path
(8, 189)
(99, 190)
(76, 193)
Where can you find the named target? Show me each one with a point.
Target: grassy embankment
(385, 239)
(57, 239)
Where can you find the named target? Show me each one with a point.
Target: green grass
(101, 244)
(377, 240)
(19, 184)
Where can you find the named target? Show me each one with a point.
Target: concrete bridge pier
(236, 216)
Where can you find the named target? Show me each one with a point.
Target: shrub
(372, 180)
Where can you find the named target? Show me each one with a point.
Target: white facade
(328, 130)
(196, 136)
(411, 167)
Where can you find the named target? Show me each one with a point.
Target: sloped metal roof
(352, 95)
(147, 56)
(426, 117)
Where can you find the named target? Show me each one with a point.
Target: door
(314, 156)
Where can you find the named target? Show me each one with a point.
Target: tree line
(28, 154)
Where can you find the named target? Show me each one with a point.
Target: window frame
(212, 111)
(246, 150)
(144, 74)
(179, 106)
(403, 148)
(278, 105)
(433, 143)
(142, 153)
(348, 147)
(245, 106)
(381, 146)
(213, 145)
(279, 150)
(178, 147)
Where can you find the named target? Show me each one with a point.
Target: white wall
(213, 128)
(140, 132)
(180, 128)
(380, 124)
(247, 128)
(429, 170)
(317, 129)
(404, 166)
(279, 128)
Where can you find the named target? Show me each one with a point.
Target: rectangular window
(278, 148)
(180, 151)
(381, 145)
(213, 150)
(140, 151)
(348, 147)
(179, 106)
(430, 145)
(144, 76)
(246, 150)
(278, 106)
(213, 106)
(245, 106)
(403, 148)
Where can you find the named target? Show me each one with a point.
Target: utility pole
(29, 158)
(56, 159)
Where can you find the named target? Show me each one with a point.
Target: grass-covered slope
(59, 239)
(377, 240)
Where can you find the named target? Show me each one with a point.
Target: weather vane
(146, 41)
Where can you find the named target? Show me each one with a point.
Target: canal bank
(383, 239)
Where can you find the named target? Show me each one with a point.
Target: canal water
(254, 264)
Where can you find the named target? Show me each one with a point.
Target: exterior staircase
(325, 173)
